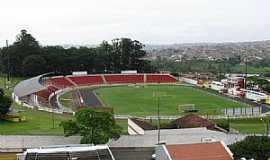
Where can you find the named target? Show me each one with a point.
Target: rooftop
(199, 151)
(175, 136)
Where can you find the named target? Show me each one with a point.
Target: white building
(255, 96)
(217, 86)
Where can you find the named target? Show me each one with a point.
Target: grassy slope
(251, 125)
(8, 156)
(141, 101)
(37, 123)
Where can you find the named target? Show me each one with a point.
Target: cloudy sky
(150, 21)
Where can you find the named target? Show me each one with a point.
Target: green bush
(224, 124)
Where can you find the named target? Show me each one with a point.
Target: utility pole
(8, 74)
(158, 112)
(246, 70)
(52, 107)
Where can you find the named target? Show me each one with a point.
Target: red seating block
(118, 78)
(44, 93)
(87, 80)
(61, 82)
(160, 78)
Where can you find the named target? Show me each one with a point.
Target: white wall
(134, 129)
(189, 80)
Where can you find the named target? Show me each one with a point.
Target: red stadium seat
(44, 93)
(118, 78)
(61, 82)
(160, 78)
(87, 80)
(52, 88)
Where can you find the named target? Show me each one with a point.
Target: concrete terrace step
(67, 78)
(104, 79)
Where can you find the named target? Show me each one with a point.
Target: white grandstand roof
(28, 87)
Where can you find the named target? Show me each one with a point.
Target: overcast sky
(81, 22)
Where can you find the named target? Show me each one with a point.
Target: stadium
(128, 94)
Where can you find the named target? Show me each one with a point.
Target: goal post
(187, 108)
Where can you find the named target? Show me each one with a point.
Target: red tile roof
(143, 124)
(199, 151)
(193, 121)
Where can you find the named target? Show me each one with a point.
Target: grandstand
(155, 78)
(37, 91)
(59, 81)
(122, 78)
(87, 80)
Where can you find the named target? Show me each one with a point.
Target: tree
(257, 147)
(267, 87)
(33, 65)
(127, 54)
(25, 45)
(262, 83)
(26, 57)
(95, 127)
(5, 103)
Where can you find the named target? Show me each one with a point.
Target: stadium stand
(160, 78)
(87, 80)
(52, 89)
(60, 82)
(43, 102)
(43, 93)
(124, 78)
(46, 92)
(37, 90)
(43, 96)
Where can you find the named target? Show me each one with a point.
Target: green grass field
(249, 125)
(142, 100)
(37, 123)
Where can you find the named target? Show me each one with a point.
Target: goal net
(187, 108)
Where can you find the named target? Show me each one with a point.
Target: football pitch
(172, 99)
